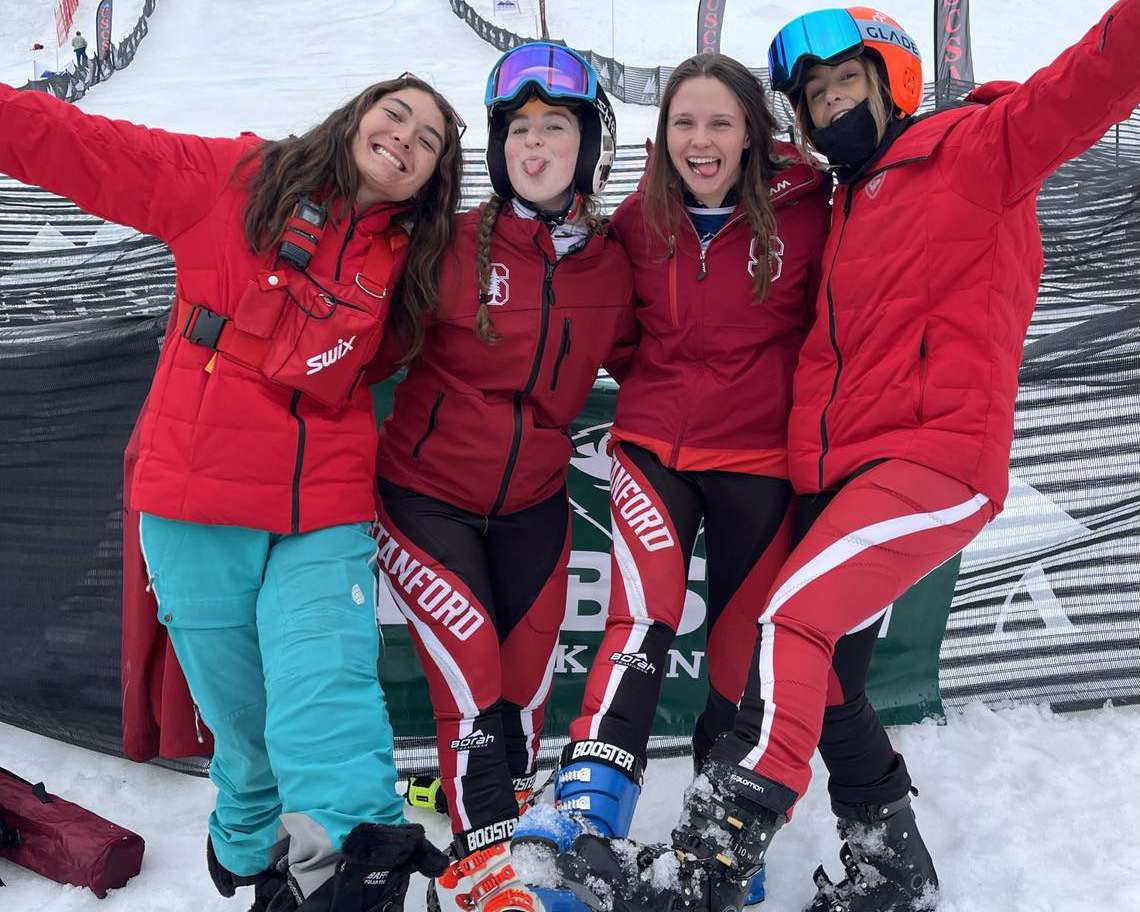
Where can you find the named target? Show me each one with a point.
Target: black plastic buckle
(203, 326)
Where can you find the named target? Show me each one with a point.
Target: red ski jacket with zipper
(931, 270)
(709, 386)
(216, 441)
(484, 427)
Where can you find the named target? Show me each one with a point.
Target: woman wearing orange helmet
(899, 434)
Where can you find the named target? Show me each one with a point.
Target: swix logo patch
(376, 878)
(330, 357)
(634, 506)
(779, 187)
(581, 803)
(875, 184)
(775, 257)
(581, 774)
(635, 660)
(500, 291)
(431, 594)
(473, 741)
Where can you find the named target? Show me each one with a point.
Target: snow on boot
(483, 881)
(756, 886)
(726, 825)
(887, 865)
(266, 884)
(590, 796)
(376, 862)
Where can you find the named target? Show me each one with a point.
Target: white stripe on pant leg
(527, 714)
(635, 599)
(835, 554)
(456, 683)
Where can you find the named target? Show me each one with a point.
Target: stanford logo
(776, 251)
(500, 291)
(875, 184)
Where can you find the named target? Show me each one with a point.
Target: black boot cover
(266, 885)
(887, 865)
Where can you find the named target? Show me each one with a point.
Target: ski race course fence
(1041, 608)
(73, 83)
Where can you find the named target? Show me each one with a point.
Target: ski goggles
(556, 71)
(824, 36)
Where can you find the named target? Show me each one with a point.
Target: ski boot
(265, 885)
(376, 863)
(589, 797)
(726, 825)
(887, 865)
(482, 881)
(700, 755)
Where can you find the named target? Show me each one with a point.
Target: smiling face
(542, 153)
(397, 146)
(832, 91)
(706, 135)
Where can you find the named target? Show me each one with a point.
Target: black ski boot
(265, 885)
(887, 864)
(376, 862)
(726, 825)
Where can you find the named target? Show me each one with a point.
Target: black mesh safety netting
(1045, 609)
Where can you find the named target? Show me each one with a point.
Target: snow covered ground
(1023, 810)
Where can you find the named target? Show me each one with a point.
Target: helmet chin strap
(554, 217)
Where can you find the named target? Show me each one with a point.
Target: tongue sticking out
(533, 166)
(705, 169)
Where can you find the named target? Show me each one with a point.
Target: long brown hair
(662, 194)
(320, 162)
(588, 214)
(877, 94)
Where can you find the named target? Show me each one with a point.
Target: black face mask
(851, 140)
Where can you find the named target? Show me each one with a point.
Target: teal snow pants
(277, 638)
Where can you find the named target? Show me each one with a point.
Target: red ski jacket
(709, 386)
(217, 442)
(931, 270)
(484, 426)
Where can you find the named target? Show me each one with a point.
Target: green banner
(904, 673)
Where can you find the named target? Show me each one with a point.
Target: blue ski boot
(596, 791)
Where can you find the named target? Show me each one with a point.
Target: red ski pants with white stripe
(484, 597)
(883, 531)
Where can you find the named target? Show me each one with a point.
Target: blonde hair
(877, 93)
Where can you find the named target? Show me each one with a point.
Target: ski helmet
(562, 77)
(832, 36)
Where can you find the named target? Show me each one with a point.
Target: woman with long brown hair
(255, 449)
(725, 235)
(534, 295)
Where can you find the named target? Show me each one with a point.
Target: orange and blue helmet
(831, 36)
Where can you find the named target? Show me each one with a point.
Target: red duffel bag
(63, 841)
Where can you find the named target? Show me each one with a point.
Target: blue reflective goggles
(825, 36)
(556, 71)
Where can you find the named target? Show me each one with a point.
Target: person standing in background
(79, 45)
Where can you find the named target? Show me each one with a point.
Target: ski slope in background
(1025, 811)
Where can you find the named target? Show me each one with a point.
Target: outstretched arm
(1065, 107)
(157, 182)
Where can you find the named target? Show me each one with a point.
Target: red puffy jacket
(931, 272)
(484, 426)
(220, 445)
(709, 386)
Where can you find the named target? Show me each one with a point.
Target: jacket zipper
(544, 326)
(344, 244)
(430, 426)
(702, 271)
(823, 442)
(563, 350)
(921, 377)
(295, 524)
